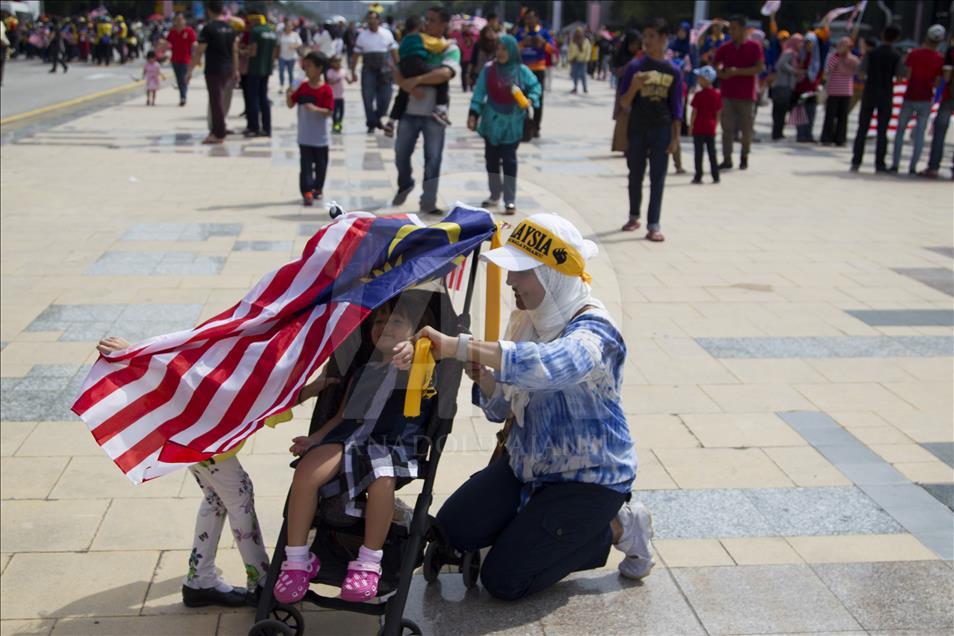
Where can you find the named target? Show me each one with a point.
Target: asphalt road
(28, 85)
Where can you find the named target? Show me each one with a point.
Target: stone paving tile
(940, 278)
(76, 584)
(135, 322)
(942, 450)
(44, 394)
(905, 317)
(180, 231)
(262, 246)
(762, 599)
(884, 596)
(566, 608)
(697, 514)
(821, 511)
(156, 264)
(49, 526)
(40, 627)
(942, 492)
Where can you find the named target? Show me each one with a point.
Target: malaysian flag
(184, 397)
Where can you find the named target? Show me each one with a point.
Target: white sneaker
(634, 542)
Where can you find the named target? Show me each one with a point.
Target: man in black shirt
(878, 70)
(217, 41)
(651, 88)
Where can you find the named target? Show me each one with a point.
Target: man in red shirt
(922, 69)
(180, 39)
(739, 61)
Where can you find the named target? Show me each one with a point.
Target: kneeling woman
(557, 498)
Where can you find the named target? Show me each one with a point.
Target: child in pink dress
(153, 76)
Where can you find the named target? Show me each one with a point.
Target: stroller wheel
(432, 563)
(271, 627)
(470, 569)
(283, 620)
(408, 628)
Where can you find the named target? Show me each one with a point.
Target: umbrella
(475, 23)
(155, 17)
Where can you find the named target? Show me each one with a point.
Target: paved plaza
(788, 384)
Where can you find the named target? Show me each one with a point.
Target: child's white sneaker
(637, 524)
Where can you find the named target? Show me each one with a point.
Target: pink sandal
(361, 582)
(294, 579)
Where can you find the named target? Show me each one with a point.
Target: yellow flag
(422, 370)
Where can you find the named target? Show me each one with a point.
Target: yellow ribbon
(549, 249)
(422, 371)
(492, 320)
(271, 422)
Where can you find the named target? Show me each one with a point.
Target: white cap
(935, 33)
(517, 260)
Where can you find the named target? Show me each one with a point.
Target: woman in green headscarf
(504, 92)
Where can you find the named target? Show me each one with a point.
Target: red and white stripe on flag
(897, 99)
(455, 278)
(177, 398)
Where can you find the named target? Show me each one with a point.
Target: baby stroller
(338, 535)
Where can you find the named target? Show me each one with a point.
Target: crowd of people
(670, 82)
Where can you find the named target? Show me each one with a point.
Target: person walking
(57, 49)
(485, 50)
(289, 50)
(923, 67)
(315, 101)
(504, 92)
(878, 70)
(262, 51)
(418, 119)
(376, 47)
(840, 69)
(787, 74)
(652, 92)
(181, 39)
(706, 104)
(217, 41)
(739, 62)
(943, 118)
(534, 40)
(578, 54)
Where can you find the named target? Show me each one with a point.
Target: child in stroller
(368, 446)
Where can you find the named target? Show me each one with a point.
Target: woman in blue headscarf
(497, 113)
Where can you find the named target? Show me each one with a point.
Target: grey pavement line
(905, 317)
(829, 347)
(930, 521)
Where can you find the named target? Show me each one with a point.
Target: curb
(70, 102)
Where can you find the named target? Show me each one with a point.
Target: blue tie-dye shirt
(573, 427)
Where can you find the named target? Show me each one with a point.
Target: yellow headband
(549, 249)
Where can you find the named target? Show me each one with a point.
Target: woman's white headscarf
(564, 297)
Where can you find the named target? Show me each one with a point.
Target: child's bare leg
(316, 469)
(379, 512)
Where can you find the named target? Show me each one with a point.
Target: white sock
(297, 553)
(222, 586)
(367, 555)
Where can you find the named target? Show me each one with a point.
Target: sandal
(361, 582)
(295, 579)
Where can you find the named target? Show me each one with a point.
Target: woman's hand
(112, 344)
(483, 376)
(471, 123)
(442, 345)
(403, 355)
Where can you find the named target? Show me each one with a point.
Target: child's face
(336, 64)
(703, 82)
(312, 71)
(388, 329)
